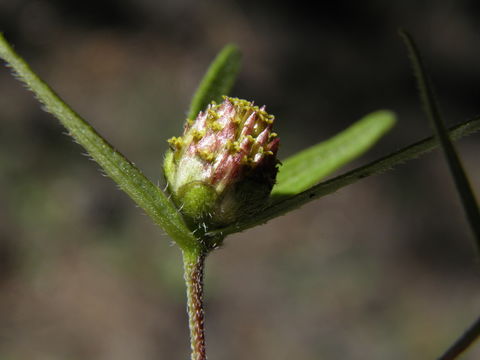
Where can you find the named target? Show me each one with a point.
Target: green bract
(224, 166)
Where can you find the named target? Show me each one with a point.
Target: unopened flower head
(224, 166)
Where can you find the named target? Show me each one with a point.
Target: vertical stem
(193, 271)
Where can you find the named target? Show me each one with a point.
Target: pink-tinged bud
(224, 166)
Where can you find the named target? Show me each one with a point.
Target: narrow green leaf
(430, 105)
(376, 167)
(217, 81)
(122, 171)
(308, 167)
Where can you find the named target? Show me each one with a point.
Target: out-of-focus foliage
(383, 269)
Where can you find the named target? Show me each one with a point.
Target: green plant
(298, 180)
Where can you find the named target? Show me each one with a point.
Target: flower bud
(224, 166)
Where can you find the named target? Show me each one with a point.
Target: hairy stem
(193, 272)
(128, 177)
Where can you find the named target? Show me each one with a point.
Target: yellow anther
(176, 142)
(233, 146)
(197, 134)
(250, 138)
(206, 155)
(247, 160)
(212, 114)
(216, 126)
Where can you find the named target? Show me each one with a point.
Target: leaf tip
(387, 117)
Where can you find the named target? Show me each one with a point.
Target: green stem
(130, 179)
(427, 97)
(282, 205)
(463, 343)
(193, 263)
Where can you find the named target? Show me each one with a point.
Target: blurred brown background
(383, 269)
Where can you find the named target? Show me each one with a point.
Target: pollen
(227, 145)
(233, 146)
(212, 114)
(206, 155)
(247, 160)
(250, 138)
(176, 142)
(216, 126)
(197, 134)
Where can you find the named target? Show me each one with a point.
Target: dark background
(383, 269)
